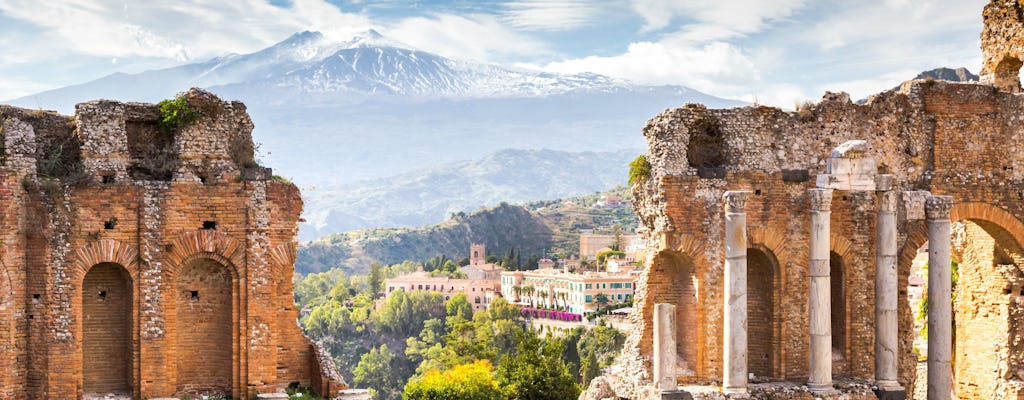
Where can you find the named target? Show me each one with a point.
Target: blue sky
(776, 52)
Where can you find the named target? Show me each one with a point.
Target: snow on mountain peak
(372, 38)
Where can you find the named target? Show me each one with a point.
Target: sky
(775, 52)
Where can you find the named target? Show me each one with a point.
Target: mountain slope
(432, 195)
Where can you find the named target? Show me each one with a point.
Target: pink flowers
(550, 314)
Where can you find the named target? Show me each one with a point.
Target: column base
(890, 392)
(676, 395)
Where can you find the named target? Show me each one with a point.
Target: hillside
(534, 229)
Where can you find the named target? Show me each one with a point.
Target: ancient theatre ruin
(784, 242)
(145, 259)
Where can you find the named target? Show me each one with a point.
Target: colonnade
(734, 380)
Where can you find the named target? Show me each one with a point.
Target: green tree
(536, 371)
(603, 341)
(376, 278)
(458, 306)
(376, 369)
(472, 381)
(601, 299)
(589, 369)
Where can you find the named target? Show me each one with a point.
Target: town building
(558, 289)
(591, 244)
(481, 285)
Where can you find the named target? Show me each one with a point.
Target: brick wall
(946, 138)
(106, 329)
(214, 224)
(203, 347)
(760, 314)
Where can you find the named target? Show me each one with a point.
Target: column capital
(937, 207)
(887, 201)
(735, 200)
(821, 199)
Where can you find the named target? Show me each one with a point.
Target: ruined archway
(987, 298)
(761, 322)
(988, 303)
(205, 304)
(106, 329)
(678, 285)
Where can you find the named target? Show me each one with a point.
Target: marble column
(665, 347)
(734, 380)
(820, 293)
(940, 307)
(886, 294)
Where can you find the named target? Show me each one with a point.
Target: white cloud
(181, 30)
(713, 19)
(660, 64)
(550, 15)
(475, 36)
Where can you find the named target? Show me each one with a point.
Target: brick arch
(775, 245)
(205, 244)
(282, 256)
(106, 251)
(771, 240)
(229, 253)
(672, 277)
(766, 327)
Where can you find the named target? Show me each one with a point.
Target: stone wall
(166, 253)
(946, 138)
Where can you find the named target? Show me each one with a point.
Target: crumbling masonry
(146, 260)
(785, 241)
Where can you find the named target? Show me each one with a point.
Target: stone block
(890, 394)
(676, 395)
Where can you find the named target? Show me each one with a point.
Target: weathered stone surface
(135, 260)
(934, 137)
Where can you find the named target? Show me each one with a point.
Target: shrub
(175, 114)
(639, 170)
(473, 381)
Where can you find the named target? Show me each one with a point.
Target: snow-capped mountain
(309, 67)
(330, 113)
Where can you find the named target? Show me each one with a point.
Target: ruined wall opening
(760, 313)
(1007, 74)
(677, 284)
(106, 330)
(706, 151)
(837, 273)
(987, 311)
(204, 307)
(152, 150)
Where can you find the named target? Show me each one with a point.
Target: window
(477, 300)
(589, 299)
(588, 286)
(629, 285)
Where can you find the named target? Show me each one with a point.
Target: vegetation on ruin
(639, 170)
(176, 113)
(419, 338)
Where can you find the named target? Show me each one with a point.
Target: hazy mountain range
(432, 195)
